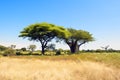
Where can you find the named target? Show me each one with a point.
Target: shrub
(2, 48)
(35, 53)
(5, 54)
(58, 52)
(9, 52)
(30, 53)
(0, 52)
(23, 49)
(18, 53)
(24, 52)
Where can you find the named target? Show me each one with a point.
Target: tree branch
(69, 43)
(82, 43)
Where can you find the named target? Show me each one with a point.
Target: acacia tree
(32, 47)
(77, 38)
(44, 33)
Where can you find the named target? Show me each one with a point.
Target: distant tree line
(7, 51)
(101, 51)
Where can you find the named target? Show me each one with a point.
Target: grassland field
(84, 66)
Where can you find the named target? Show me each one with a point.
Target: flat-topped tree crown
(44, 33)
(77, 38)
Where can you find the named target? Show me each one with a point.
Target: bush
(18, 53)
(30, 53)
(36, 53)
(0, 52)
(5, 54)
(58, 52)
(23, 49)
(9, 52)
(2, 48)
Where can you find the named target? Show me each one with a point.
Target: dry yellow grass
(35, 69)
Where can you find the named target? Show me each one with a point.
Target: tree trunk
(77, 48)
(43, 50)
(74, 48)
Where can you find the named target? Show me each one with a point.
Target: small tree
(12, 46)
(32, 47)
(44, 33)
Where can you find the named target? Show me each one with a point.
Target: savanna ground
(84, 66)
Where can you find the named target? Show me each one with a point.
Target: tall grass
(35, 69)
(110, 59)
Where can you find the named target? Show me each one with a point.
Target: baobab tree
(77, 38)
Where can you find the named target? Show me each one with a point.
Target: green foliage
(101, 51)
(36, 53)
(44, 32)
(2, 48)
(59, 51)
(80, 35)
(9, 52)
(32, 47)
(18, 53)
(78, 38)
(66, 51)
(30, 53)
(24, 52)
(0, 52)
(23, 49)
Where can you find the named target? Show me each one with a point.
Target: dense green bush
(9, 52)
(2, 48)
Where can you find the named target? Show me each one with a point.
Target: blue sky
(100, 17)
